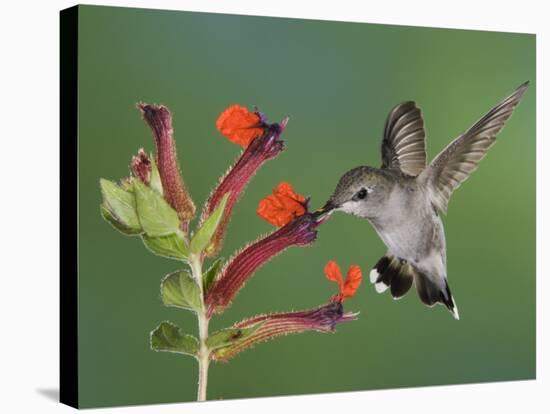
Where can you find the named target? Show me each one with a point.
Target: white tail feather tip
(381, 287)
(455, 313)
(373, 275)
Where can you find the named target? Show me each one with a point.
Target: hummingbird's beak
(326, 209)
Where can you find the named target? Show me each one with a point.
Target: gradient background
(337, 82)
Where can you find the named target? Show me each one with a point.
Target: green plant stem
(203, 355)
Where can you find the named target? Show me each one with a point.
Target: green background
(337, 82)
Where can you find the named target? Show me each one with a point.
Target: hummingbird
(403, 199)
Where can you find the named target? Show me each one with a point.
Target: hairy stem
(203, 356)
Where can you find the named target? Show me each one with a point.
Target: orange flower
(239, 125)
(347, 287)
(282, 206)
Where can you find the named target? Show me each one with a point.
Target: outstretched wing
(403, 146)
(456, 162)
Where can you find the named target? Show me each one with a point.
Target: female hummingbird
(404, 198)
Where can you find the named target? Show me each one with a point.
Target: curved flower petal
(333, 273)
(352, 282)
(346, 288)
(284, 189)
(239, 125)
(283, 205)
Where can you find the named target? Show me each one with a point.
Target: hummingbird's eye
(361, 194)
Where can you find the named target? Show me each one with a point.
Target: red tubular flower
(282, 206)
(347, 287)
(261, 149)
(141, 166)
(299, 232)
(322, 319)
(159, 119)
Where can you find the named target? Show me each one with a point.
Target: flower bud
(159, 119)
(141, 166)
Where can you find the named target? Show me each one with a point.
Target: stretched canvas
(257, 206)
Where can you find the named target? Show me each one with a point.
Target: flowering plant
(154, 204)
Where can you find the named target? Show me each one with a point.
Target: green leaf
(172, 246)
(210, 275)
(156, 216)
(230, 336)
(119, 208)
(168, 337)
(202, 238)
(155, 182)
(180, 290)
(118, 225)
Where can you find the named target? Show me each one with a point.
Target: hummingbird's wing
(403, 146)
(456, 162)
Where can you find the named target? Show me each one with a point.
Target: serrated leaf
(168, 337)
(155, 182)
(156, 216)
(230, 336)
(203, 236)
(172, 246)
(119, 208)
(180, 290)
(209, 276)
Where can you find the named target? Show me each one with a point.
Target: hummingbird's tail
(431, 293)
(393, 273)
(398, 275)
